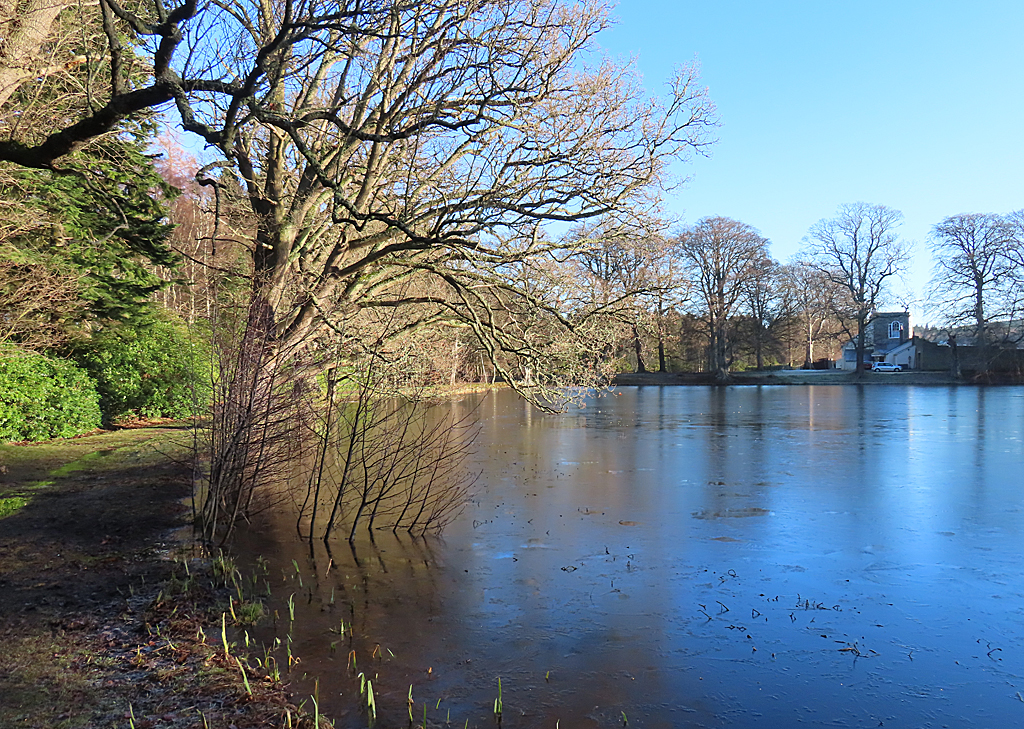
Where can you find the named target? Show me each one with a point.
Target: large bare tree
(861, 251)
(723, 256)
(397, 153)
(973, 281)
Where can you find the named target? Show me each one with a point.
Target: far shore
(791, 377)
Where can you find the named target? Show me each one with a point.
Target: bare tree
(378, 142)
(722, 256)
(255, 433)
(623, 267)
(973, 276)
(392, 156)
(860, 250)
(36, 304)
(672, 291)
(1016, 219)
(767, 303)
(1015, 254)
(817, 303)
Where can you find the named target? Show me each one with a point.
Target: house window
(895, 328)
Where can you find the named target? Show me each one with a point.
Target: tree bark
(638, 348)
(26, 27)
(861, 343)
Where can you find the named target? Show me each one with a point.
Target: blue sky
(914, 105)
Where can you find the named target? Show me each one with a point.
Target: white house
(888, 340)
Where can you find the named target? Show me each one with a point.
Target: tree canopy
(397, 160)
(723, 257)
(976, 281)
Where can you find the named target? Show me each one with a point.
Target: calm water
(696, 557)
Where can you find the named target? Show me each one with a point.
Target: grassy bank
(106, 618)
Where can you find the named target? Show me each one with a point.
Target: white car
(885, 367)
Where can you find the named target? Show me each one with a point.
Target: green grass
(11, 504)
(31, 467)
(250, 612)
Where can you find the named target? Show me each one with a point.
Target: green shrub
(152, 370)
(42, 397)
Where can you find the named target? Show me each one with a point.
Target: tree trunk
(661, 338)
(455, 365)
(638, 346)
(721, 364)
(809, 347)
(981, 333)
(21, 59)
(861, 343)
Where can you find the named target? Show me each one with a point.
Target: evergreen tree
(103, 227)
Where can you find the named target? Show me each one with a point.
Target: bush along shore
(107, 617)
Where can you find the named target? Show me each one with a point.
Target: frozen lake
(694, 557)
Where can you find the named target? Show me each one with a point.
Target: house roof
(870, 347)
(900, 347)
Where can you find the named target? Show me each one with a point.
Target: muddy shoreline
(107, 616)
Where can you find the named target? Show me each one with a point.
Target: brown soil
(100, 609)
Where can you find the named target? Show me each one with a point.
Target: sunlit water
(689, 557)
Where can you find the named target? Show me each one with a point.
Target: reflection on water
(769, 556)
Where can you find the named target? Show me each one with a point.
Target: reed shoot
(224, 633)
(245, 679)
